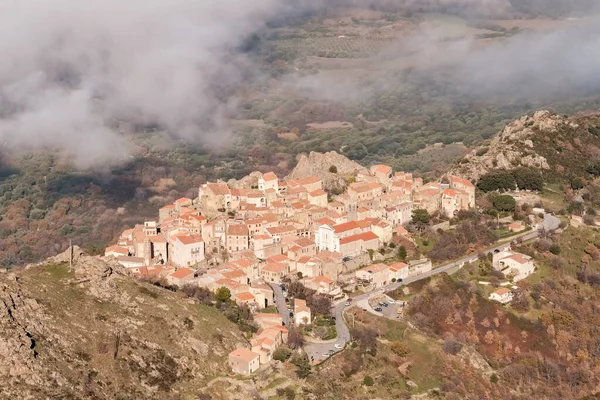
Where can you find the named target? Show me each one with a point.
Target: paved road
(317, 350)
(280, 303)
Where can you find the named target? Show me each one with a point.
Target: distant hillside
(96, 333)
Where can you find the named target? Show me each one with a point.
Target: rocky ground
(93, 332)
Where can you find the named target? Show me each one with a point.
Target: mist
(73, 68)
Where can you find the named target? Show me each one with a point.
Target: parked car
(347, 303)
(378, 309)
(338, 346)
(349, 300)
(331, 351)
(385, 304)
(291, 315)
(392, 301)
(287, 300)
(326, 354)
(347, 259)
(380, 303)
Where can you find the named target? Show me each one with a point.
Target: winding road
(318, 351)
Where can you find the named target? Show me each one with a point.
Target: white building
(187, 250)
(502, 295)
(515, 265)
(327, 239)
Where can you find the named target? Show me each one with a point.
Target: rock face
(94, 332)
(513, 147)
(318, 164)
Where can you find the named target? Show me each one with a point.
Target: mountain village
(250, 239)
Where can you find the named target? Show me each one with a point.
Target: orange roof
(518, 258)
(300, 305)
(276, 230)
(183, 200)
(218, 188)
(116, 249)
(243, 354)
(346, 226)
(274, 267)
(233, 274)
(157, 239)
(449, 192)
(428, 193)
(182, 273)
(187, 239)
(376, 268)
(456, 179)
(269, 176)
(366, 236)
(168, 207)
(238, 230)
(325, 221)
(398, 266)
(304, 259)
(322, 279)
(304, 242)
(245, 296)
(261, 237)
(502, 291)
(278, 258)
(318, 192)
(382, 169)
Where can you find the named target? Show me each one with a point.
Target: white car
(338, 346)
(392, 301)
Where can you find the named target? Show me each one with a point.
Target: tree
(496, 180)
(302, 363)
(223, 294)
(528, 179)
(504, 202)
(402, 253)
(594, 169)
(366, 337)
(420, 218)
(320, 304)
(577, 183)
(333, 169)
(368, 381)
(451, 346)
(295, 338)
(400, 349)
(281, 354)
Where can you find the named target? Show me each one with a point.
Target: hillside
(562, 148)
(93, 332)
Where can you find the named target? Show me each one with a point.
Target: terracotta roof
(187, 239)
(398, 266)
(261, 237)
(218, 188)
(274, 267)
(182, 273)
(520, 258)
(244, 354)
(278, 258)
(116, 249)
(325, 221)
(376, 268)
(304, 242)
(245, 296)
(501, 291)
(462, 181)
(238, 230)
(168, 207)
(300, 305)
(382, 169)
(269, 176)
(318, 192)
(276, 230)
(183, 200)
(450, 192)
(233, 274)
(346, 226)
(366, 236)
(157, 239)
(304, 259)
(427, 193)
(322, 279)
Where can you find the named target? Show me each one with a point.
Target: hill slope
(96, 333)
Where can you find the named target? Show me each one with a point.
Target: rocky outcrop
(91, 331)
(513, 147)
(319, 164)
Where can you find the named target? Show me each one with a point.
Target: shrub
(504, 202)
(368, 381)
(528, 179)
(498, 180)
(494, 378)
(282, 354)
(333, 169)
(400, 349)
(554, 249)
(452, 346)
